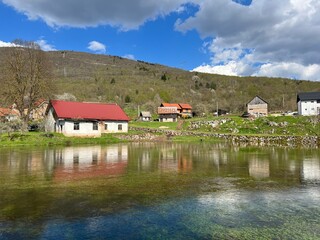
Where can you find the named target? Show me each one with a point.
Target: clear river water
(159, 191)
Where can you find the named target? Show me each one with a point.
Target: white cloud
(45, 46)
(232, 68)
(126, 14)
(129, 56)
(6, 44)
(281, 36)
(97, 47)
(290, 70)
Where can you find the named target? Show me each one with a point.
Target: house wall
(86, 128)
(168, 117)
(258, 109)
(50, 122)
(309, 108)
(39, 112)
(186, 113)
(145, 119)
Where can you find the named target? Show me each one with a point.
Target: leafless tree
(27, 79)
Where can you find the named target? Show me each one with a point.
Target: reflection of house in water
(184, 164)
(311, 170)
(174, 159)
(259, 168)
(168, 159)
(86, 162)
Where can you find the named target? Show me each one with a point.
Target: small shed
(257, 107)
(145, 116)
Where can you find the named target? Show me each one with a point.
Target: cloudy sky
(276, 38)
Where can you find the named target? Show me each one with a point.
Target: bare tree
(27, 79)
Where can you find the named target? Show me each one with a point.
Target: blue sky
(240, 37)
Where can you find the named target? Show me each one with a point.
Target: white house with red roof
(85, 119)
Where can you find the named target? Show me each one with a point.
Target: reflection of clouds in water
(229, 202)
(313, 193)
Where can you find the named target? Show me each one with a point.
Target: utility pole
(217, 109)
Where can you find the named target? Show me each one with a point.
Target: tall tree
(27, 78)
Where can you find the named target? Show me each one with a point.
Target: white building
(308, 103)
(85, 119)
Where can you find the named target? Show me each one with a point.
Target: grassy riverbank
(45, 139)
(230, 125)
(271, 125)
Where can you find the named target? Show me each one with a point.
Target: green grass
(283, 125)
(267, 126)
(45, 139)
(154, 124)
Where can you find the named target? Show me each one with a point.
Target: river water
(159, 191)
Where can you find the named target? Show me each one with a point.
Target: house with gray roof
(145, 116)
(308, 103)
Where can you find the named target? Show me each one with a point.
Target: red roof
(85, 110)
(185, 106)
(8, 111)
(171, 105)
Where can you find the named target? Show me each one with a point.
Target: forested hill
(130, 83)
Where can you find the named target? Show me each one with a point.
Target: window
(94, 157)
(76, 158)
(120, 127)
(76, 126)
(94, 126)
(106, 127)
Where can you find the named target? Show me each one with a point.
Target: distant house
(145, 116)
(9, 114)
(308, 103)
(176, 105)
(39, 111)
(257, 107)
(168, 114)
(85, 119)
(184, 110)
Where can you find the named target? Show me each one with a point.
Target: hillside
(91, 77)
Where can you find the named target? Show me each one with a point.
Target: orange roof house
(9, 114)
(184, 109)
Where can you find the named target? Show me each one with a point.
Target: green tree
(127, 99)
(164, 77)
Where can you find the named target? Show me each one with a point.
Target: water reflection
(285, 164)
(86, 162)
(159, 190)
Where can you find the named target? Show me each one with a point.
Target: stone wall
(307, 141)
